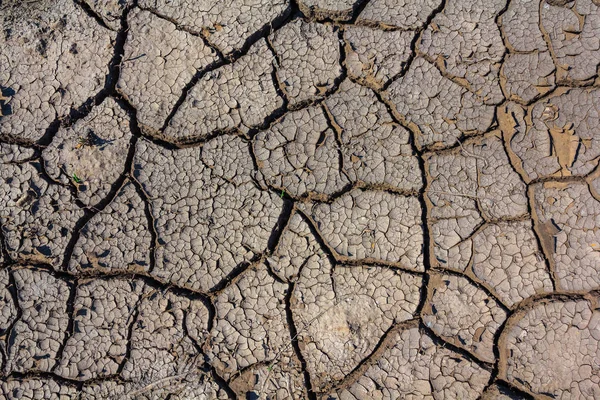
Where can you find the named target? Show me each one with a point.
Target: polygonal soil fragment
(239, 95)
(309, 59)
(159, 60)
(554, 350)
(251, 331)
(110, 11)
(55, 57)
(468, 186)
(193, 385)
(37, 336)
(568, 219)
(574, 31)
(528, 76)
(12, 153)
(556, 137)
(463, 314)
(508, 258)
(403, 14)
(228, 25)
(161, 347)
(330, 9)
(104, 310)
(376, 56)
(8, 311)
(415, 367)
(465, 43)
(341, 315)
(37, 389)
(500, 391)
(91, 153)
(376, 150)
(440, 110)
(297, 248)
(37, 218)
(299, 154)
(117, 238)
(209, 214)
(372, 225)
(521, 28)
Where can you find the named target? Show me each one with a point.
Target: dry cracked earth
(312, 199)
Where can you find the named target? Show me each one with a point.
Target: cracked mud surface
(311, 199)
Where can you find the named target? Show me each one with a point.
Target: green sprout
(76, 178)
(282, 194)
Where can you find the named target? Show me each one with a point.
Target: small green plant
(282, 194)
(76, 178)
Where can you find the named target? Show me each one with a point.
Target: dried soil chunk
(117, 238)
(528, 76)
(37, 218)
(160, 345)
(110, 11)
(404, 14)
(559, 136)
(468, 186)
(91, 153)
(251, 331)
(239, 95)
(297, 247)
(441, 109)
(209, 214)
(54, 57)
(554, 350)
(228, 25)
(372, 225)
(309, 56)
(569, 218)
(299, 154)
(499, 391)
(574, 32)
(376, 56)
(342, 315)
(103, 311)
(507, 257)
(376, 150)
(465, 43)
(332, 9)
(8, 310)
(414, 367)
(159, 60)
(38, 334)
(37, 389)
(463, 314)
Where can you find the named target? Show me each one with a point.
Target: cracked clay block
(251, 335)
(92, 153)
(463, 314)
(554, 349)
(299, 155)
(208, 213)
(568, 217)
(414, 367)
(376, 150)
(159, 60)
(53, 58)
(440, 109)
(37, 217)
(37, 389)
(239, 95)
(403, 14)
(40, 331)
(228, 24)
(558, 136)
(117, 238)
(309, 59)
(372, 225)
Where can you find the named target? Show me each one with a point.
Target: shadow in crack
(5, 95)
